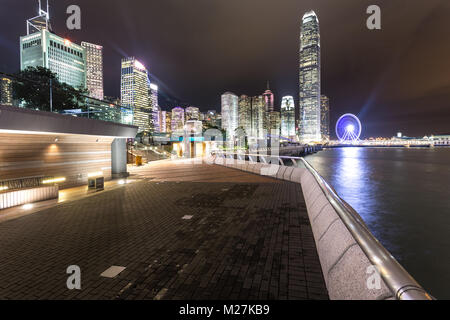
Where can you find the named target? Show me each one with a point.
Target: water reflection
(403, 196)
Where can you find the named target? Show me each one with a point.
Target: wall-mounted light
(55, 180)
(3, 188)
(27, 206)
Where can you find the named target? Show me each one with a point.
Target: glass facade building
(6, 97)
(309, 79)
(230, 114)
(259, 117)
(192, 113)
(135, 93)
(245, 114)
(287, 117)
(268, 99)
(94, 69)
(177, 121)
(325, 117)
(61, 56)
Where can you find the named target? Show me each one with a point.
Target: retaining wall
(345, 266)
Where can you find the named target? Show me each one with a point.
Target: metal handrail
(398, 280)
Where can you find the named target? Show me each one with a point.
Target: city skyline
(385, 98)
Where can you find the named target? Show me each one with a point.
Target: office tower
(192, 113)
(94, 69)
(259, 118)
(156, 110)
(274, 122)
(268, 99)
(245, 114)
(212, 119)
(325, 117)
(166, 122)
(156, 118)
(309, 76)
(42, 48)
(177, 124)
(230, 115)
(287, 117)
(6, 97)
(134, 92)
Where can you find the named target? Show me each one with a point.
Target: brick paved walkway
(249, 238)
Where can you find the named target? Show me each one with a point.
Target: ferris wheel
(348, 128)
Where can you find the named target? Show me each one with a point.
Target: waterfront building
(245, 114)
(6, 97)
(134, 92)
(192, 113)
(166, 120)
(325, 118)
(230, 115)
(177, 120)
(156, 110)
(259, 118)
(274, 122)
(156, 118)
(154, 95)
(94, 69)
(268, 99)
(309, 80)
(287, 117)
(42, 48)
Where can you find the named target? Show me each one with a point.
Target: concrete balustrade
(345, 266)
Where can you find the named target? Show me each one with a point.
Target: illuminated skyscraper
(178, 120)
(156, 118)
(192, 113)
(325, 117)
(230, 114)
(42, 48)
(134, 92)
(245, 114)
(268, 99)
(166, 122)
(309, 75)
(6, 98)
(259, 118)
(94, 69)
(156, 110)
(274, 122)
(287, 117)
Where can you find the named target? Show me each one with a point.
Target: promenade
(181, 230)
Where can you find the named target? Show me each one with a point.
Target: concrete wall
(44, 144)
(54, 155)
(344, 264)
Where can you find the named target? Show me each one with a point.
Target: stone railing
(354, 264)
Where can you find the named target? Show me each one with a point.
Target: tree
(32, 88)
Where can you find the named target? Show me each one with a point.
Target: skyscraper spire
(268, 85)
(41, 21)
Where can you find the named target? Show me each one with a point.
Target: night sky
(394, 79)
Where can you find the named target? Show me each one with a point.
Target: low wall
(14, 198)
(345, 266)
